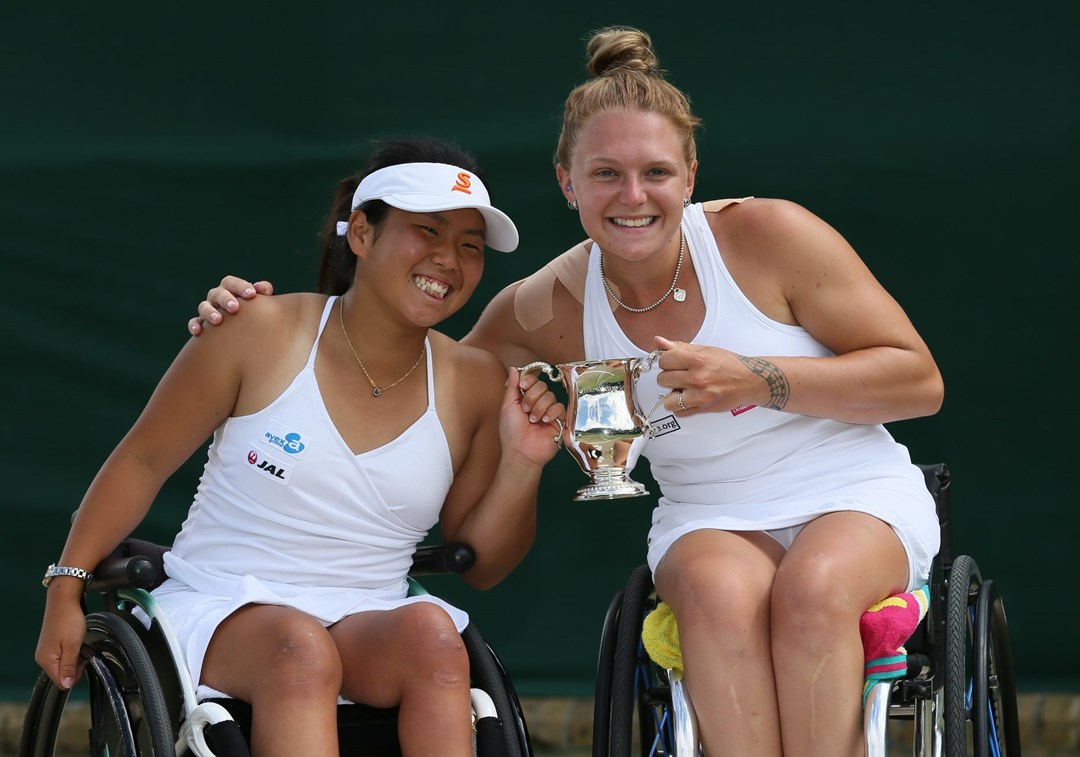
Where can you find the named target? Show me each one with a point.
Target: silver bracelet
(60, 570)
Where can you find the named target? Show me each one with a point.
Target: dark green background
(148, 149)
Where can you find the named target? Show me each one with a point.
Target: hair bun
(616, 47)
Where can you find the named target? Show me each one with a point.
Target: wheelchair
(142, 702)
(959, 690)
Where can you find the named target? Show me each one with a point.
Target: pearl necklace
(376, 390)
(680, 294)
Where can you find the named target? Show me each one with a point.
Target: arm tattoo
(774, 377)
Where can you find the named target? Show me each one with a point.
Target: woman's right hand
(222, 299)
(63, 631)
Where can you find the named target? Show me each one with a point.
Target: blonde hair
(627, 76)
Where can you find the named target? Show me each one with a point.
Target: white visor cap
(431, 187)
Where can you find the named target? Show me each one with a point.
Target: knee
(436, 650)
(302, 657)
(813, 596)
(717, 595)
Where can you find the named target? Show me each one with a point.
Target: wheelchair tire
(605, 664)
(963, 584)
(636, 688)
(994, 717)
(119, 674)
(488, 674)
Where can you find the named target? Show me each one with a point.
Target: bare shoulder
(779, 234)
(465, 358)
(774, 248)
(496, 330)
(264, 311)
(538, 317)
(766, 220)
(283, 306)
(270, 322)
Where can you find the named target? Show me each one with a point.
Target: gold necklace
(376, 390)
(680, 293)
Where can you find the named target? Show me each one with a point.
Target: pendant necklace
(376, 390)
(676, 293)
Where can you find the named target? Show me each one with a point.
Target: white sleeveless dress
(286, 514)
(755, 469)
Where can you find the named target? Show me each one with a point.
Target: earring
(686, 202)
(572, 204)
(569, 187)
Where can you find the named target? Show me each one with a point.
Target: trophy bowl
(604, 428)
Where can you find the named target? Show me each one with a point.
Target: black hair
(337, 266)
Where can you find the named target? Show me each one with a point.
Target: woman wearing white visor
(344, 429)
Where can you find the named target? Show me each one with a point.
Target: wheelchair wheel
(604, 665)
(128, 714)
(638, 688)
(980, 686)
(489, 675)
(995, 719)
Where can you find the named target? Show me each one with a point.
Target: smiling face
(629, 177)
(427, 264)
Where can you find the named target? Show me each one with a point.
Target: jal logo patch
(666, 425)
(264, 465)
(280, 437)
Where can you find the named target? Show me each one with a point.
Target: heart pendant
(679, 295)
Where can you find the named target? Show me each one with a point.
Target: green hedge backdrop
(146, 149)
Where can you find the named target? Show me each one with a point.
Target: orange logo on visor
(462, 184)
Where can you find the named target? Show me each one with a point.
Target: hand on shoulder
(225, 298)
(267, 315)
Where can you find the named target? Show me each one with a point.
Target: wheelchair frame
(959, 689)
(142, 700)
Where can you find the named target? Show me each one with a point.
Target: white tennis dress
(755, 469)
(286, 514)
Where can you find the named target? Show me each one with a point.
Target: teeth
(434, 288)
(634, 221)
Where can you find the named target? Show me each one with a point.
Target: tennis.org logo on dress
(665, 425)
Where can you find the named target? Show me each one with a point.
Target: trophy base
(616, 489)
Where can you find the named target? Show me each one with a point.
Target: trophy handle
(645, 365)
(554, 374)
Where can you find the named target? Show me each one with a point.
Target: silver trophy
(606, 428)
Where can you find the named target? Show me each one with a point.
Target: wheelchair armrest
(135, 571)
(134, 564)
(442, 558)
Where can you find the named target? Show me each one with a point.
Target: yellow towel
(661, 638)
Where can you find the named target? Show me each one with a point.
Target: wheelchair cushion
(884, 628)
